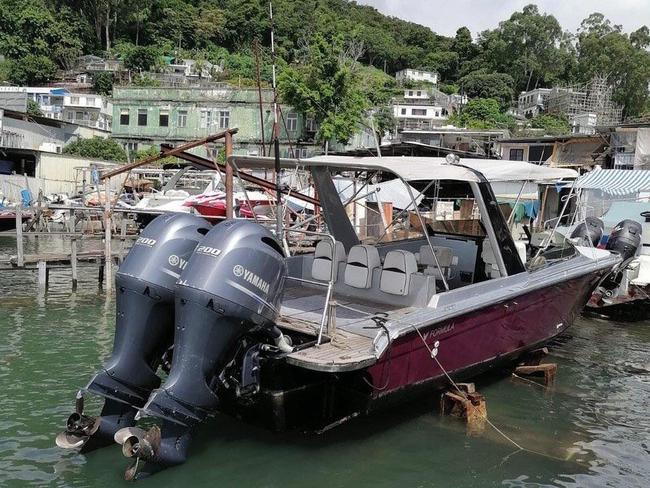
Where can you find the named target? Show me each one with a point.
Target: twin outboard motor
(589, 232)
(144, 328)
(625, 239)
(232, 286)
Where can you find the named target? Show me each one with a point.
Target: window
(79, 115)
(124, 116)
(142, 116)
(224, 119)
(163, 118)
(516, 155)
(74, 100)
(182, 118)
(206, 119)
(419, 111)
(437, 114)
(292, 121)
(131, 146)
(70, 116)
(90, 101)
(418, 93)
(410, 93)
(311, 125)
(403, 111)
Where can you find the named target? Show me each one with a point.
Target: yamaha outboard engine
(589, 232)
(144, 329)
(625, 238)
(232, 287)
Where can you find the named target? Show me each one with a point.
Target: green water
(591, 429)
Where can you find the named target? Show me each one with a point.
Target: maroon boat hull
(474, 343)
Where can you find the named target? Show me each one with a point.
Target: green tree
(552, 125)
(141, 58)
(34, 109)
(497, 86)
(483, 113)
(31, 70)
(327, 88)
(103, 83)
(604, 50)
(97, 148)
(525, 47)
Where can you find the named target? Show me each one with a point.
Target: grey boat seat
(399, 266)
(326, 260)
(361, 264)
(445, 257)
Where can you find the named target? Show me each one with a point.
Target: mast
(276, 136)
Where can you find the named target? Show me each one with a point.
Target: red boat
(312, 340)
(213, 205)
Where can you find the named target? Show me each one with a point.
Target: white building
(60, 104)
(416, 75)
(418, 110)
(532, 102)
(88, 109)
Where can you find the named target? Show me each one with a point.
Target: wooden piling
(467, 405)
(546, 372)
(42, 274)
(107, 238)
(122, 238)
(73, 261)
(19, 236)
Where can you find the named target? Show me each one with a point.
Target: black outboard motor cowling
(589, 232)
(232, 285)
(144, 327)
(625, 238)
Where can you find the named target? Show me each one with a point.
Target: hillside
(530, 49)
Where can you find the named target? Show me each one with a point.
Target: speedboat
(309, 341)
(613, 208)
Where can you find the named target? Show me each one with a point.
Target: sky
(445, 16)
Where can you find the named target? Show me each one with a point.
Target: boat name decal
(439, 331)
(241, 272)
(176, 261)
(145, 241)
(210, 251)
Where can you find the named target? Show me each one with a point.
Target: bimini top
(417, 169)
(615, 181)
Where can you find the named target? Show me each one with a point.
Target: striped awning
(616, 181)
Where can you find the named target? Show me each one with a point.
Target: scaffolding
(592, 98)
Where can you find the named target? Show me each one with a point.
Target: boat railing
(329, 284)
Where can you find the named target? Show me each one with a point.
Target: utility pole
(256, 50)
(276, 136)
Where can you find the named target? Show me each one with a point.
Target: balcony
(11, 139)
(419, 124)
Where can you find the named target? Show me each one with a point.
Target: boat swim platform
(352, 346)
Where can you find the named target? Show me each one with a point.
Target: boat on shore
(312, 340)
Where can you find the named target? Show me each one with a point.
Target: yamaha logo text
(251, 278)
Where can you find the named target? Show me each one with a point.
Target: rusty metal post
(229, 178)
(108, 255)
